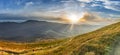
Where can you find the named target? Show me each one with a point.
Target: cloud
(87, 1)
(94, 5)
(27, 4)
(112, 8)
(113, 5)
(108, 4)
(89, 18)
(92, 17)
(82, 4)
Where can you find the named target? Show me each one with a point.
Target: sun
(74, 18)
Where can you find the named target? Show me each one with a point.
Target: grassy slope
(20, 48)
(99, 42)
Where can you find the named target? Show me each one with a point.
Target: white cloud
(29, 4)
(94, 5)
(87, 1)
(113, 5)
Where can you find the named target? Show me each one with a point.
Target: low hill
(99, 42)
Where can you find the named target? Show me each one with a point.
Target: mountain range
(31, 30)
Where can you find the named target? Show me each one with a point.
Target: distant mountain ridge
(33, 29)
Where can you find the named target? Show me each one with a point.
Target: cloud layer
(54, 8)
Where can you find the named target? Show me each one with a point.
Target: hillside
(33, 30)
(99, 42)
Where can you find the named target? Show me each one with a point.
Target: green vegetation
(99, 42)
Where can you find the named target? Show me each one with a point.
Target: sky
(57, 8)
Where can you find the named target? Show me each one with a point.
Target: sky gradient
(54, 8)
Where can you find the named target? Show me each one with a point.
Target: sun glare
(74, 18)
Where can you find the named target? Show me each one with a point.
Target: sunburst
(73, 19)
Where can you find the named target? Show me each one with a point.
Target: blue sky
(104, 8)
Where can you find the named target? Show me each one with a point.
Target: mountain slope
(32, 30)
(99, 42)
